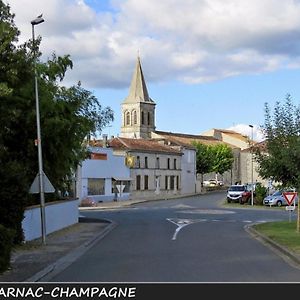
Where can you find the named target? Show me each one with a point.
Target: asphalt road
(192, 239)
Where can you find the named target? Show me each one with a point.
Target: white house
(103, 177)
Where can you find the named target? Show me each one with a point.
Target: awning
(122, 178)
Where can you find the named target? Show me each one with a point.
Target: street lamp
(252, 183)
(34, 22)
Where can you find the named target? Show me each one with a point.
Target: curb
(121, 204)
(282, 251)
(55, 268)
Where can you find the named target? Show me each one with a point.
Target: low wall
(58, 215)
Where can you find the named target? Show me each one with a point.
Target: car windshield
(237, 188)
(277, 193)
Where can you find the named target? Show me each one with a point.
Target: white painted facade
(163, 178)
(108, 170)
(188, 172)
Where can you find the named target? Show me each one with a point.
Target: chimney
(104, 136)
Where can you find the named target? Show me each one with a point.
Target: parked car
(210, 182)
(246, 196)
(277, 198)
(235, 193)
(213, 182)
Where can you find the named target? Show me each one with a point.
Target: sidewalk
(33, 261)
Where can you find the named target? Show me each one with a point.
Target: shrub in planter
(6, 243)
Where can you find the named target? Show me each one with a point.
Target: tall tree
(15, 73)
(204, 159)
(213, 158)
(279, 160)
(67, 116)
(222, 158)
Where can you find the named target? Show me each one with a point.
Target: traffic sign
(35, 186)
(289, 208)
(289, 197)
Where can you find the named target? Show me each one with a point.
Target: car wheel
(279, 203)
(228, 201)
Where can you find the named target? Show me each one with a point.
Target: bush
(260, 193)
(6, 243)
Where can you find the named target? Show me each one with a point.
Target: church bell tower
(138, 109)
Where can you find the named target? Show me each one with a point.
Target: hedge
(6, 244)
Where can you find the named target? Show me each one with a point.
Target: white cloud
(193, 41)
(247, 130)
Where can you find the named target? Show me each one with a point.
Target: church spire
(138, 90)
(138, 109)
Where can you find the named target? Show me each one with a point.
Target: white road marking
(181, 223)
(207, 211)
(182, 206)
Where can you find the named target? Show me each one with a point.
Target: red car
(246, 197)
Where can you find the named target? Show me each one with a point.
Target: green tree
(15, 73)
(67, 116)
(222, 158)
(213, 158)
(204, 159)
(280, 159)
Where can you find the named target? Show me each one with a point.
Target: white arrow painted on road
(181, 223)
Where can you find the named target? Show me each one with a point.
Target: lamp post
(34, 22)
(252, 183)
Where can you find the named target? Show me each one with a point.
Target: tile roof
(187, 139)
(141, 145)
(262, 146)
(234, 134)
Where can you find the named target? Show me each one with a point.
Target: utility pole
(34, 22)
(252, 175)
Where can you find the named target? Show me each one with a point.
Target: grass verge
(284, 233)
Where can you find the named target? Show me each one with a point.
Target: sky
(207, 64)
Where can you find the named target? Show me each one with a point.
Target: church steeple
(138, 109)
(138, 90)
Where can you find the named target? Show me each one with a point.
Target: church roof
(142, 145)
(138, 90)
(187, 139)
(233, 134)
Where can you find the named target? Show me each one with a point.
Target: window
(135, 117)
(166, 182)
(128, 118)
(138, 162)
(146, 182)
(146, 162)
(96, 186)
(157, 165)
(172, 182)
(138, 182)
(175, 164)
(149, 118)
(168, 163)
(143, 118)
(177, 182)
